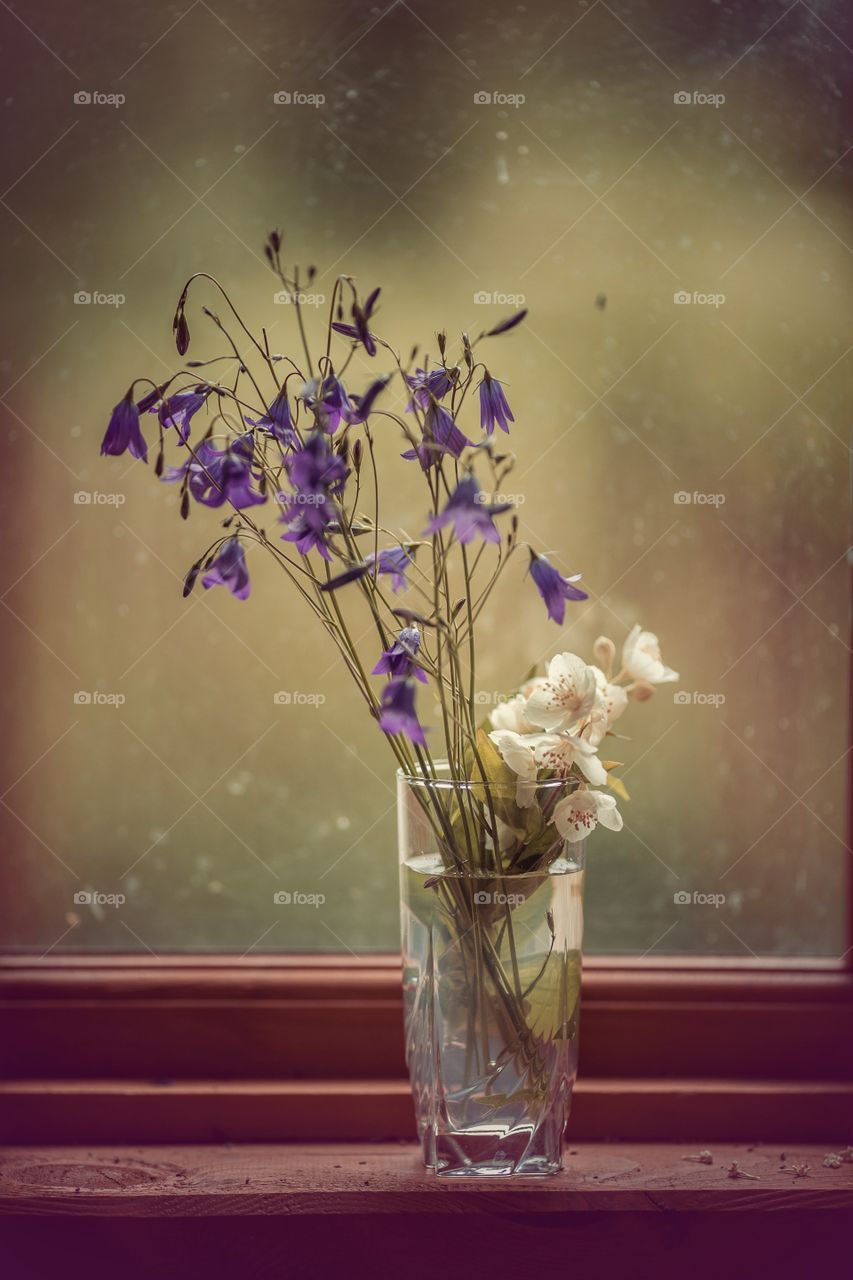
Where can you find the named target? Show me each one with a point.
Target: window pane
(672, 199)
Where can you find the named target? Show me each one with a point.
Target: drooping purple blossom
(278, 421)
(229, 570)
(469, 513)
(554, 589)
(441, 436)
(363, 405)
(315, 467)
(178, 409)
(504, 326)
(493, 405)
(318, 476)
(152, 397)
(394, 561)
(401, 658)
(123, 431)
(329, 401)
(397, 710)
(215, 476)
(427, 386)
(359, 330)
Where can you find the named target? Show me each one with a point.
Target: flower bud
(604, 651)
(182, 333)
(190, 579)
(641, 690)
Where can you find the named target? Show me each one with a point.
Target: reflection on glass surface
(691, 457)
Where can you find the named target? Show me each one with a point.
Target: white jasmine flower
(611, 700)
(510, 715)
(565, 696)
(516, 752)
(559, 751)
(578, 814)
(641, 658)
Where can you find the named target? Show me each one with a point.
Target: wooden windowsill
(343, 1179)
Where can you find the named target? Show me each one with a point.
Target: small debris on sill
(797, 1170)
(846, 1154)
(832, 1161)
(734, 1171)
(702, 1157)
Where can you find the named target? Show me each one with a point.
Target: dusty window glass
(669, 191)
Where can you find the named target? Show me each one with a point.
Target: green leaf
(551, 1006)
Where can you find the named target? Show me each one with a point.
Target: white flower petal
(577, 815)
(510, 715)
(516, 752)
(592, 768)
(565, 696)
(641, 658)
(608, 815)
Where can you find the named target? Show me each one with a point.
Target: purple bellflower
(363, 405)
(426, 387)
(401, 658)
(493, 405)
(124, 432)
(359, 330)
(329, 401)
(554, 589)
(229, 570)
(469, 513)
(216, 476)
(178, 409)
(397, 711)
(152, 397)
(441, 436)
(278, 422)
(318, 476)
(394, 561)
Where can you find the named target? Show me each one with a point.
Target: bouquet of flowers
(499, 798)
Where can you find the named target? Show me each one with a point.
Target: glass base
(473, 1155)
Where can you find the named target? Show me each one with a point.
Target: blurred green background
(598, 199)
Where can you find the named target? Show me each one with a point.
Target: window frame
(310, 1048)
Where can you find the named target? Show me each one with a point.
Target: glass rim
(447, 783)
